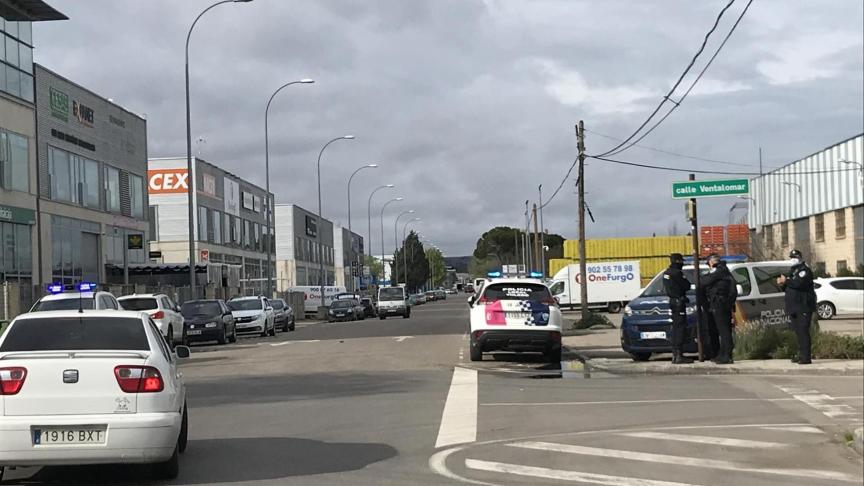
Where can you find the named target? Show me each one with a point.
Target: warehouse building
(815, 205)
(229, 219)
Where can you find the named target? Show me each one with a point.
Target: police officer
(800, 303)
(718, 286)
(676, 286)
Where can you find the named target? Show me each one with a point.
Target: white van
(393, 301)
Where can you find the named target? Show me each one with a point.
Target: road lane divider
(564, 475)
(459, 419)
(701, 439)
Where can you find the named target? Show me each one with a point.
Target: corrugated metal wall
(652, 252)
(825, 184)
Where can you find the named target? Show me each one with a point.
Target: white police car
(515, 314)
(73, 297)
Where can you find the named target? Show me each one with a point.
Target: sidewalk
(600, 349)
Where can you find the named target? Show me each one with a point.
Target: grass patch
(848, 437)
(758, 341)
(594, 321)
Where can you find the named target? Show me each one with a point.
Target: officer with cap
(718, 288)
(800, 303)
(676, 286)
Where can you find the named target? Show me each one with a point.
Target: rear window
(245, 305)
(199, 308)
(391, 293)
(520, 291)
(766, 279)
(139, 304)
(277, 304)
(63, 304)
(76, 334)
(342, 304)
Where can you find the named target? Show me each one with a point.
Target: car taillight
(157, 315)
(139, 379)
(550, 301)
(11, 380)
(478, 334)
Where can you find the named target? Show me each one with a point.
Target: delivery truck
(611, 285)
(312, 296)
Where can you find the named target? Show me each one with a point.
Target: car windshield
(76, 333)
(391, 293)
(245, 305)
(517, 291)
(656, 289)
(342, 304)
(277, 304)
(200, 308)
(139, 303)
(64, 304)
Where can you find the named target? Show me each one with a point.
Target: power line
(696, 171)
(677, 83)
(617, 151)
(549, 200)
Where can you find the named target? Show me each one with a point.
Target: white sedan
(839, 295)
(515, 314)
(96, 387)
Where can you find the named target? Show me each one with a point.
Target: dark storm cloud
(469, 105)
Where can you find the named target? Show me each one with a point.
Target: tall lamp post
(321, 279)
(190, 180)
(369, 214)
(404, 252)
(269, 210)
(367, 166)
(542, 231)
(396, 241)
(383, 207)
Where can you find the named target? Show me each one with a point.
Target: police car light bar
(493, 274)
(86, 287)
(55, 288)
(536, 275)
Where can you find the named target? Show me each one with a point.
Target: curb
(858, 440)
(701, 369)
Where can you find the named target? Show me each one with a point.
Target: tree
(498, 246)
(438, 269)
(373, 263)
(418, 265)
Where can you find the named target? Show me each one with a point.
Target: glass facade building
(16, 59)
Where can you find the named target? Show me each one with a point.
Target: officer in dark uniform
(717, 287)
(800, 303)
(676, 286)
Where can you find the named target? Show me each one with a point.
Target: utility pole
(542, 233)
(539, 264)
(694, 232)
(583, 258)
(528, 257)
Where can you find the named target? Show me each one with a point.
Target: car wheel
(184, 430)
(223, 336)
(554, 355)
(168, 469)
(641, 356)
(825, 310)
(234, 334)
(265, 331)
(293, 325)
(382, 317)
(273, 330)
(170, 337)
(476, 351)
(614, 307)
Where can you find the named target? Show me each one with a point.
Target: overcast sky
(469, 105)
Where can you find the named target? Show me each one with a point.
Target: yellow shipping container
(556, 264)
(652, 252)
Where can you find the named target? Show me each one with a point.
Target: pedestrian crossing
(753, 455)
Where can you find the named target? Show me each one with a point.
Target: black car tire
(554, 355)
(293, 325)
(382, 317)
(475, 350)
(234, 334)
(169, 469)
(223, 336)
(183, 441)
(265, 331)
(640, 356)
(825, 310)
(273, 329)
(613, 307)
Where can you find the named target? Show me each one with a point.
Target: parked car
(431, 296)
(253, 315)
(162, 310)
(69, 297)
(345, 310)
(98, 387)
(420, 299)
(284, 314)
(368, 307)
(839, 295)
(208, 320)
(469, 289)
(440, 295)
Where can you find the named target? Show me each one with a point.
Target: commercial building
(815, 205)
(92, 159)
(229, 219)
(19, 261)
(303, 241)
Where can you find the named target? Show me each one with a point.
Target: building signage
(232, 197)
(167, 181)
(135, 242)
(692, 189)
(12, 214)
(83, 113)
(155, 255)
(208, 185)
(204, 255)
(248, 201)
(311, 227)
(59, 104)
(116, 121)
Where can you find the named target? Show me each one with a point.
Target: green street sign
(59, 104)
(17, 215)
(728, 187)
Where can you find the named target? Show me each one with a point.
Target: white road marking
(821, 402)
(438, 464)
(582, 477)
(701, 439)
(804, 429)
(632, 402)
(399, 339)
(283, 343)
(459, 420)
(682, 461)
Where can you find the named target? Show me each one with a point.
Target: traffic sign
(692, 189)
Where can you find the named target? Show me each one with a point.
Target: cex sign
(167, 181)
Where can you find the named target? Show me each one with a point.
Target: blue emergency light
(493, 274)
(86, 287)
(536, 275)
(55, 288)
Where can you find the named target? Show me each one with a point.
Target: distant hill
(459, 263)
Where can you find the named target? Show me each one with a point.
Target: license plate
(653, 335)
(194, 333)
(518, 315)
(68, 435)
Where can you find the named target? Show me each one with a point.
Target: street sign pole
(694, 231)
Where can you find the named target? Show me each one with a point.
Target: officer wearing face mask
(718, 285)
(676, 286)
(800, 303)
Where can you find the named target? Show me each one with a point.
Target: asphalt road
(397, 402)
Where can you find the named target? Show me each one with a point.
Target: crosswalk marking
(459, 420)
(681, 460)
(700, 439)
(545, 473)
(821, 402)
(804, 429)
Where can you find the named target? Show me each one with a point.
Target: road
(397, 402)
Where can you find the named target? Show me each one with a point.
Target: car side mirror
(182, 352)
(740, 289)
(470, 301)
(268, 308)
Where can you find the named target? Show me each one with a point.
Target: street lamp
(405, 253)
(190, 181)
(858, 164)
(269, 210)
(395, 199)
(321, 279)
(351, 233)
(395, 236)
(369, 215)
(542, 232)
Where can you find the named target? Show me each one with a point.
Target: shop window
(63, 177)
(820, 227)
(784, 233)
(136, 196)
(202, 224)
(14, 156)
(112, 189)
(840, 223)
(217, 227)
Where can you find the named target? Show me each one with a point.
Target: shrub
(758, 341)
(595, 321)
(837, 346)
